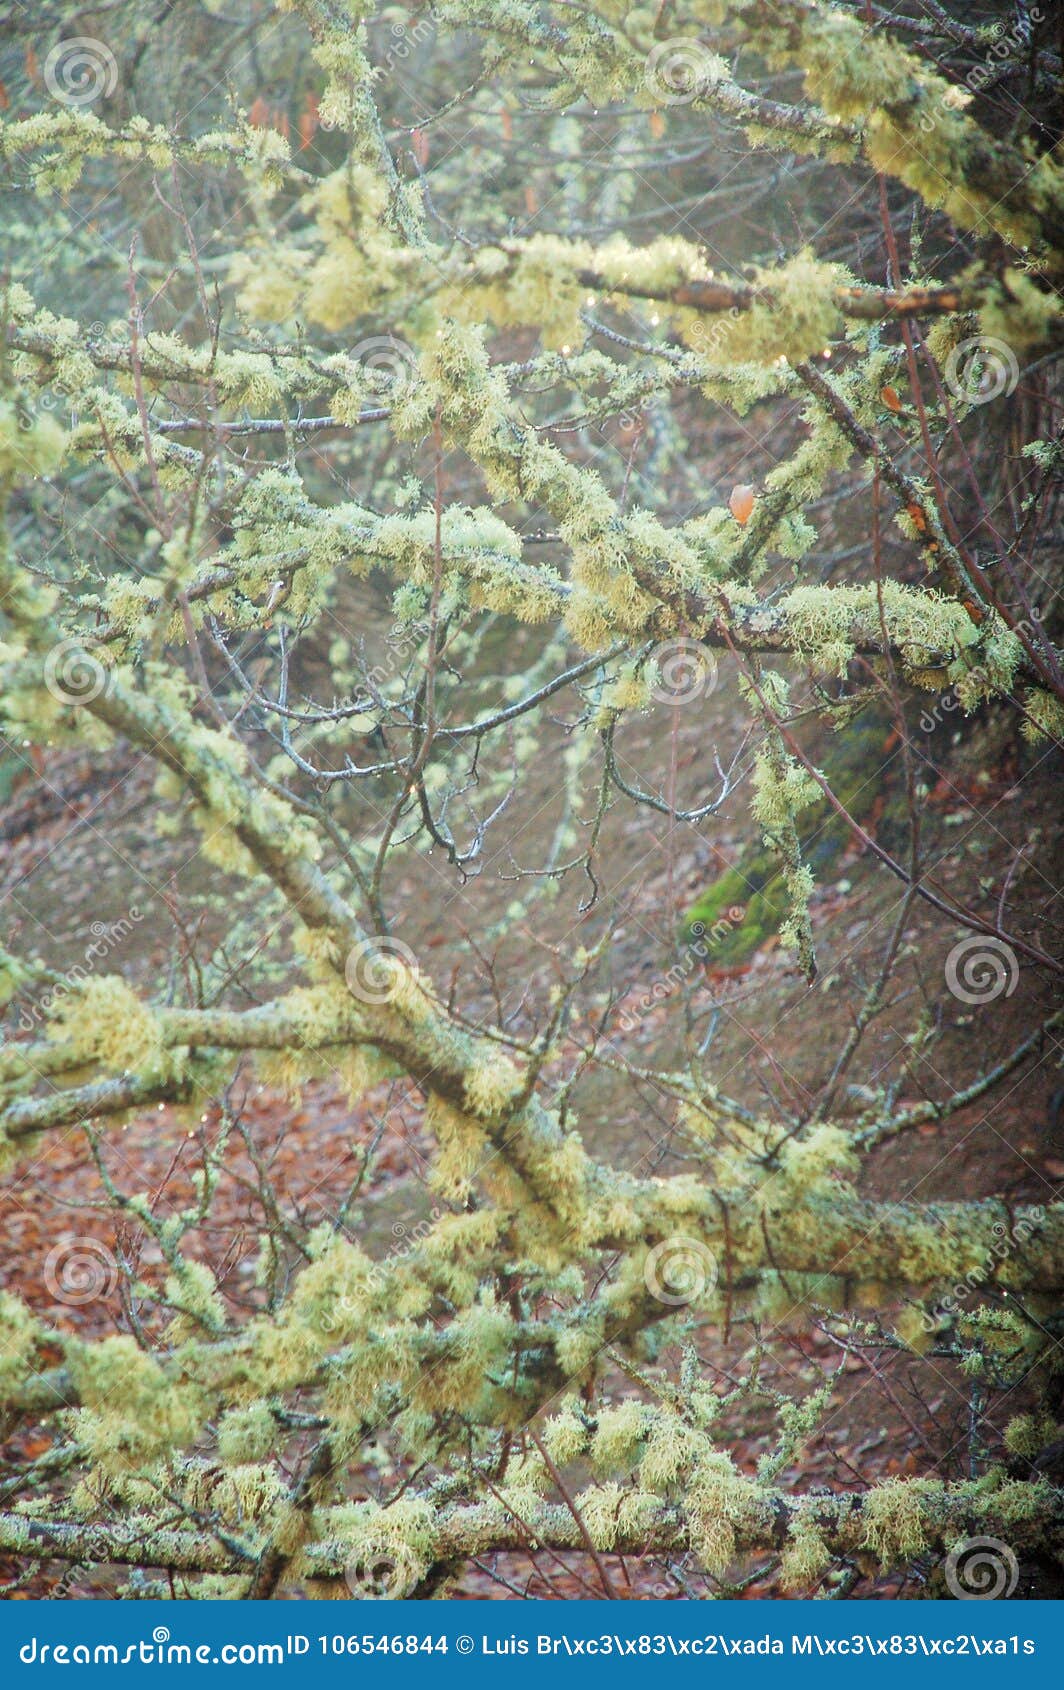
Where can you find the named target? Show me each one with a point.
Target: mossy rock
(738, 912)
(711, 921)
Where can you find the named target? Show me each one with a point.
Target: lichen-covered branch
(419, 558)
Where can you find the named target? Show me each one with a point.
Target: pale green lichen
(104, 1020)
(805, 1555)
(19, 1337)
(894, 1518)
(131, 1412)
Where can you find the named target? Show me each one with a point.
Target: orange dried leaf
(259, 115)
(421, 146)
(741, 503)
(889, 396)
(657, 125)
(919, 520)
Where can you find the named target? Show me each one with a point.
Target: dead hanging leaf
(4, 101)
(889, 396)
(259, 115)
(507, 125)
(657, 125)
(741, 503)
(33, 69)
(420, 142)
(531, 202)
